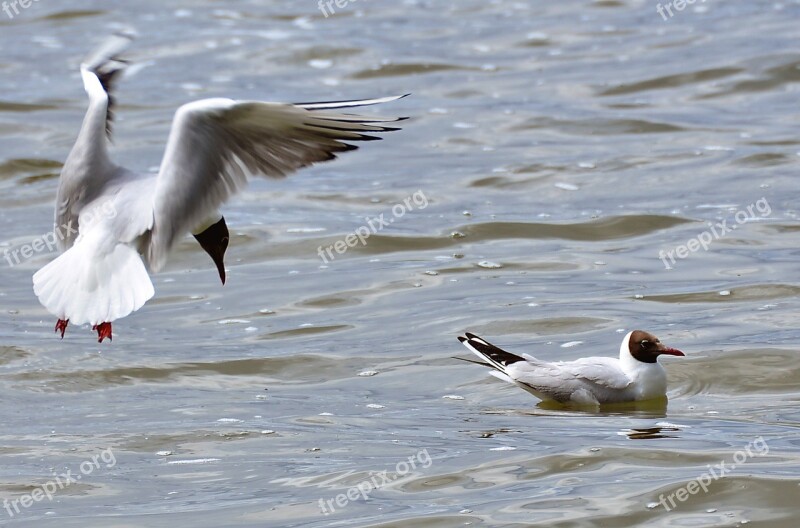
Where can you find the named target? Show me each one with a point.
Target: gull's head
(645, 347)
(213, 237)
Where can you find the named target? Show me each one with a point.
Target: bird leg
(103, 331)
(61, 326)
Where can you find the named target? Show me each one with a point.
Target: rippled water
(561, 147)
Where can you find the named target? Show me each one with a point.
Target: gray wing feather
(604, 372)
(560, 380)
(88, 167)
(215, 145)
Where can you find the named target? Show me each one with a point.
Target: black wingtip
(106, 63)
(495, 354)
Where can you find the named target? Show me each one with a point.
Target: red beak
(671, 351)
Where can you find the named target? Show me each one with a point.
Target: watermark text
(59, 482)
(49, 241)
(15, 5)
(715, 232)
(326, 6)
(756, 447)
(376, 481)
(373, 225)
(678, 5)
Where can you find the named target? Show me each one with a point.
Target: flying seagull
(635, 376)
(121, 224)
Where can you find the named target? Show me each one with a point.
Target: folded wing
(589, 378)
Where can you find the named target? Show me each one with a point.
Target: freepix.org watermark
(15, 5)
(49, 241)
(678, 5)
(59, 482)
(376, 481)
(757, 447)
(716, 231)
(326, 6)
(360, 235)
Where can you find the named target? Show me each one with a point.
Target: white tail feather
(500, 368)
(500, 375)
(349, 104)
(96, 281)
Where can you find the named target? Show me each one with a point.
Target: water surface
(562, 146)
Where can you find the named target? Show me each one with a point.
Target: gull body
(636, 375)
(126, 223)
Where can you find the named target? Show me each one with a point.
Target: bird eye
(645, 343)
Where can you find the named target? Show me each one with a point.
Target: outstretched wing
(88, 166)
(215, 145)
(106, 63)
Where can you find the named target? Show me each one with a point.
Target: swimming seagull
(119, 223)
(635, 376)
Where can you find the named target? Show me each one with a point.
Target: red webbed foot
(103, 331)
(61, 326)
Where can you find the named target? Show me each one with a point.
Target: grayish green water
(560, 146)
